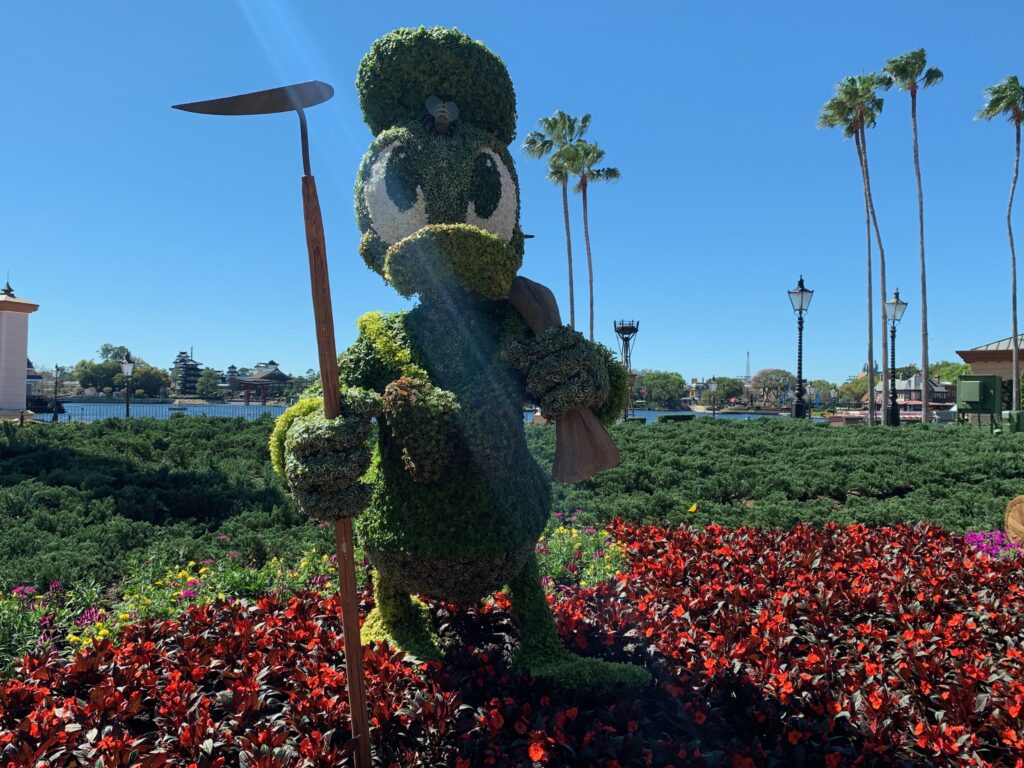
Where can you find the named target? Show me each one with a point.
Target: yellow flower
(693, 507)
(203, 570)
(191, 563)
(124, 616)
(103, 632)
(182, 574)
(73, 638)
(221, 596)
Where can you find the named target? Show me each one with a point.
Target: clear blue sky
(132, 223)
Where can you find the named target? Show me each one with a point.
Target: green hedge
(91, 501)
(777, 472)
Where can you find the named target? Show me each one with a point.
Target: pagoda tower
(14, 314)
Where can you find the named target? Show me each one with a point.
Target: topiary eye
(402, 179)
(493, 198)
(485, 186)
(394, 199)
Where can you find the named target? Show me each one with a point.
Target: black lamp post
(127, 369)
(800, 298)
(56, 386)
(713, 385)
(833, 392)
(894, 309)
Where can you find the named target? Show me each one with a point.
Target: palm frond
(1004, 98)
(933, 76)
(905, 70)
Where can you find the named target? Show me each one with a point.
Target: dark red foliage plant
(834, 646)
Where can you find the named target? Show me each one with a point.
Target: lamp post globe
(127, 369)
(894, 309)
(800, 298)
(713, 386)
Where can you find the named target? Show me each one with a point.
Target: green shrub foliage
(83, 503)
(406, 67)
(776, 473)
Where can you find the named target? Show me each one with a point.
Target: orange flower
(537, 752)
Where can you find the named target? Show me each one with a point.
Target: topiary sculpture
(454, 502)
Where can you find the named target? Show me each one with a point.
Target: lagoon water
(99, 411)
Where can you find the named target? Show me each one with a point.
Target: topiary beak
(440, 256)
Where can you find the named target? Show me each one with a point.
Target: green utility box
(979, 395)
(1014, 421)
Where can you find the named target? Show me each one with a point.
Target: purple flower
(571, 568)
(55, 586)
(193, 584)
(542, 549)
(233, 555)
(187, 593)
(207, 561)
(46, 620)
(590, 531)
(318, 580)
(223, 537)
(23, 592)
(558, 514)
(88, 616)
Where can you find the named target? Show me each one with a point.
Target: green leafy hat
(407, 67)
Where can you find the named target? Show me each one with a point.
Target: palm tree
(556, 132)
(853, 107)
(909, 73)
(869, 106)
(581, 159)
(1007, 98)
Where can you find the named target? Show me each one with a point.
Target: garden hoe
(298, 98)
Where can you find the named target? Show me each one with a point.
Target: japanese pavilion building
(186, 374)
(268, 379)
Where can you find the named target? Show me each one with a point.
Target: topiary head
(437, 197)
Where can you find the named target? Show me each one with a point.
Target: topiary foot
(585, 678)
(402, 621)
(543, 654)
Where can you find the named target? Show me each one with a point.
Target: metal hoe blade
(287, 98)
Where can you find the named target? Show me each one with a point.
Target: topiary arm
(563, 371)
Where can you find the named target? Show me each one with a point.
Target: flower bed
(824, 647)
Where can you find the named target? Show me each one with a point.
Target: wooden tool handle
(323, 316)
(582, 445)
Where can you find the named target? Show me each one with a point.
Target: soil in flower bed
(822, 647)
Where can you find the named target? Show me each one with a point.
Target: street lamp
(800, 298)
(833, 392)
(713, 386)
(127, 369)
(894, 309)
(56, 386)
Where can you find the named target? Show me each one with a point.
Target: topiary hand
(563, 370)
(324, 459)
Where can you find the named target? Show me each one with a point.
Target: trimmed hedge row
(89, 501)
(777, 472)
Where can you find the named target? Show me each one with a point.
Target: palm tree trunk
(1015, 404)
(881, 270)
(871, 313)
(590, 262)
(925, 375)
(568, 249)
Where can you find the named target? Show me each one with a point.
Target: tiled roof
(1001, 345)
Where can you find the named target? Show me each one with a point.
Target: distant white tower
(14, 314)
